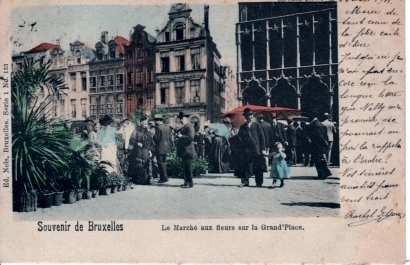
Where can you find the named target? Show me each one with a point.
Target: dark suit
(278, 134)
(253, 140)
(317, 134)
(267, 131)
(292, 143)
(186, 151)
(162, 139)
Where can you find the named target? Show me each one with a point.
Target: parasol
(220, 129)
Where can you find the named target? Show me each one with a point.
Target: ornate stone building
(139, 69)
(107, 78)
(287, 55)
(189, 76)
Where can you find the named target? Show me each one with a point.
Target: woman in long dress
(139, 152)
(106, 139)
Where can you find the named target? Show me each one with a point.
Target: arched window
(179, 31)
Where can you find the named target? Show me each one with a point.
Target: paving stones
(213, 196)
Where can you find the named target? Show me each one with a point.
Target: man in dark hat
(278, 132)
(162, 140)
(186, 148)
(292, 141)
(317, 134)
(253, 140)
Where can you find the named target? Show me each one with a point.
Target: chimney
(206, 17)
(104, 36)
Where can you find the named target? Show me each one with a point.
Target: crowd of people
(247, 150)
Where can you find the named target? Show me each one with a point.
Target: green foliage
(114, 179)
(82, 162)
(200, 165)
(174, 163)
(162, 111)
(137, 116)
(40, 144)
(98, 177)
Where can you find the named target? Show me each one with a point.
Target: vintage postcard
(192, 132)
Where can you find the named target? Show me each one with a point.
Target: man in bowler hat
(319, 146)
(253, 140)
(162, 139)
(186, 148)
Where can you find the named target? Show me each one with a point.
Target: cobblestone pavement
(213, 196)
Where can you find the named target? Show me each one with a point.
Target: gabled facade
(140, 71)
(78, 80)
(107, 78)
(189, 76)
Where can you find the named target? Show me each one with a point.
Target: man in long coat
(162, 140)
(278, 132)
(317, 134)
(186, 148)
(292, 142)
(253, 140)
(267, 131)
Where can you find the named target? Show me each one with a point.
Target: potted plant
(174, 163)
(97, 179)
(200, 165)
(113, 182)
(82, 163)
(45, 199)
(33, 137)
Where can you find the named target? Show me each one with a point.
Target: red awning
(237, 119)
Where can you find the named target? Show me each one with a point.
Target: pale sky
(85, 23)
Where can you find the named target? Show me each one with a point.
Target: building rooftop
(43, 47)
